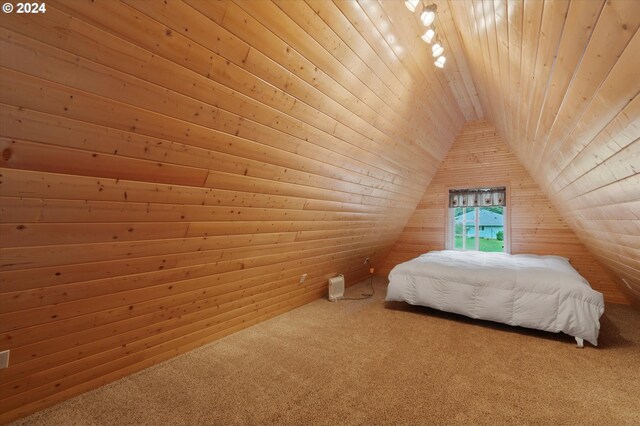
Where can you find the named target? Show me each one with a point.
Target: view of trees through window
(478, 228)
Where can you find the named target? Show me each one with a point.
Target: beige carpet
(367, 362)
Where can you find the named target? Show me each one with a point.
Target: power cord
(373, 290)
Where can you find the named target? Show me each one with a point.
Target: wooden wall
(479, 157)
(171, 169)
(559, 80)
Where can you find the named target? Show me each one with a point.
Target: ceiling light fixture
(411, 4)
(428, 15)
(428, 35)
(437, 49)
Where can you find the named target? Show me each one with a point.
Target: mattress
(540, 292)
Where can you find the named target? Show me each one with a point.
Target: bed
(540, 292)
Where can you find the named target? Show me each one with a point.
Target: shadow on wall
(610, 336)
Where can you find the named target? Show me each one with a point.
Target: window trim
(448, 241)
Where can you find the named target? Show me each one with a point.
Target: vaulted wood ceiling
(559, 80)
(171, 169)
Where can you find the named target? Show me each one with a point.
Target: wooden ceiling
(559, 80)
(171, 169)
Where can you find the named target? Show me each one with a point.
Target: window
(477, 219)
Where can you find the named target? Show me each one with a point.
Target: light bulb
(428, 36)
(427, 17)
(440, 62)
(411, 4)
(437, 50)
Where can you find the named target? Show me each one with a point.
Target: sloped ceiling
(170, 170)
(559, 80)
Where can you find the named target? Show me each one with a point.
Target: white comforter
(542, 292)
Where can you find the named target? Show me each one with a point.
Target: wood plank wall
(479, 157)
(559, 80)
(170, 169)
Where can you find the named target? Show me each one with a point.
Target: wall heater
(336, 288)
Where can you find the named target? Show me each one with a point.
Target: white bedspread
(541, 292)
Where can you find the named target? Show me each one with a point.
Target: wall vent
(336, 288)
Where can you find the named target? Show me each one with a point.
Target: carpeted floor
(367, 362)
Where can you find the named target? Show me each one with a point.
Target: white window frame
(451, 240)
(450, 222)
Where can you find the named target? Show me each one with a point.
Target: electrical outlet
(4, 359)
(365, 261)
(302, 278)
